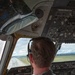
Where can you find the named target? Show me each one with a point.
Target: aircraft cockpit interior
(21, 20)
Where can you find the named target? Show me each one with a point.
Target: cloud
(21, 47)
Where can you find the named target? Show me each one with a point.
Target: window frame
(6, 51)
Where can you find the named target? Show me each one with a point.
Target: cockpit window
(19, 57)
(66, 53)
(67, 49)
(2, 45)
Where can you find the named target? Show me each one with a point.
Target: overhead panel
(60, 25)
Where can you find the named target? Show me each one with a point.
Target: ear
(31, 58)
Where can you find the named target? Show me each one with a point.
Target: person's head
(42, 51)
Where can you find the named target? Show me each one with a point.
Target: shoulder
(48, 73)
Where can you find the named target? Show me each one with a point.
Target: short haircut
(43, 51)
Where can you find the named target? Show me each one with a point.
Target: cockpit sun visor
(11, 12)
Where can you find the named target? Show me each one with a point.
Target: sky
(21, 47)
(67, 48)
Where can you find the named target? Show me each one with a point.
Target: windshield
(2, 45)
(67, 49)
(66, 53)
(19, 57)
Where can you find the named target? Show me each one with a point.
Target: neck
(38, 71)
